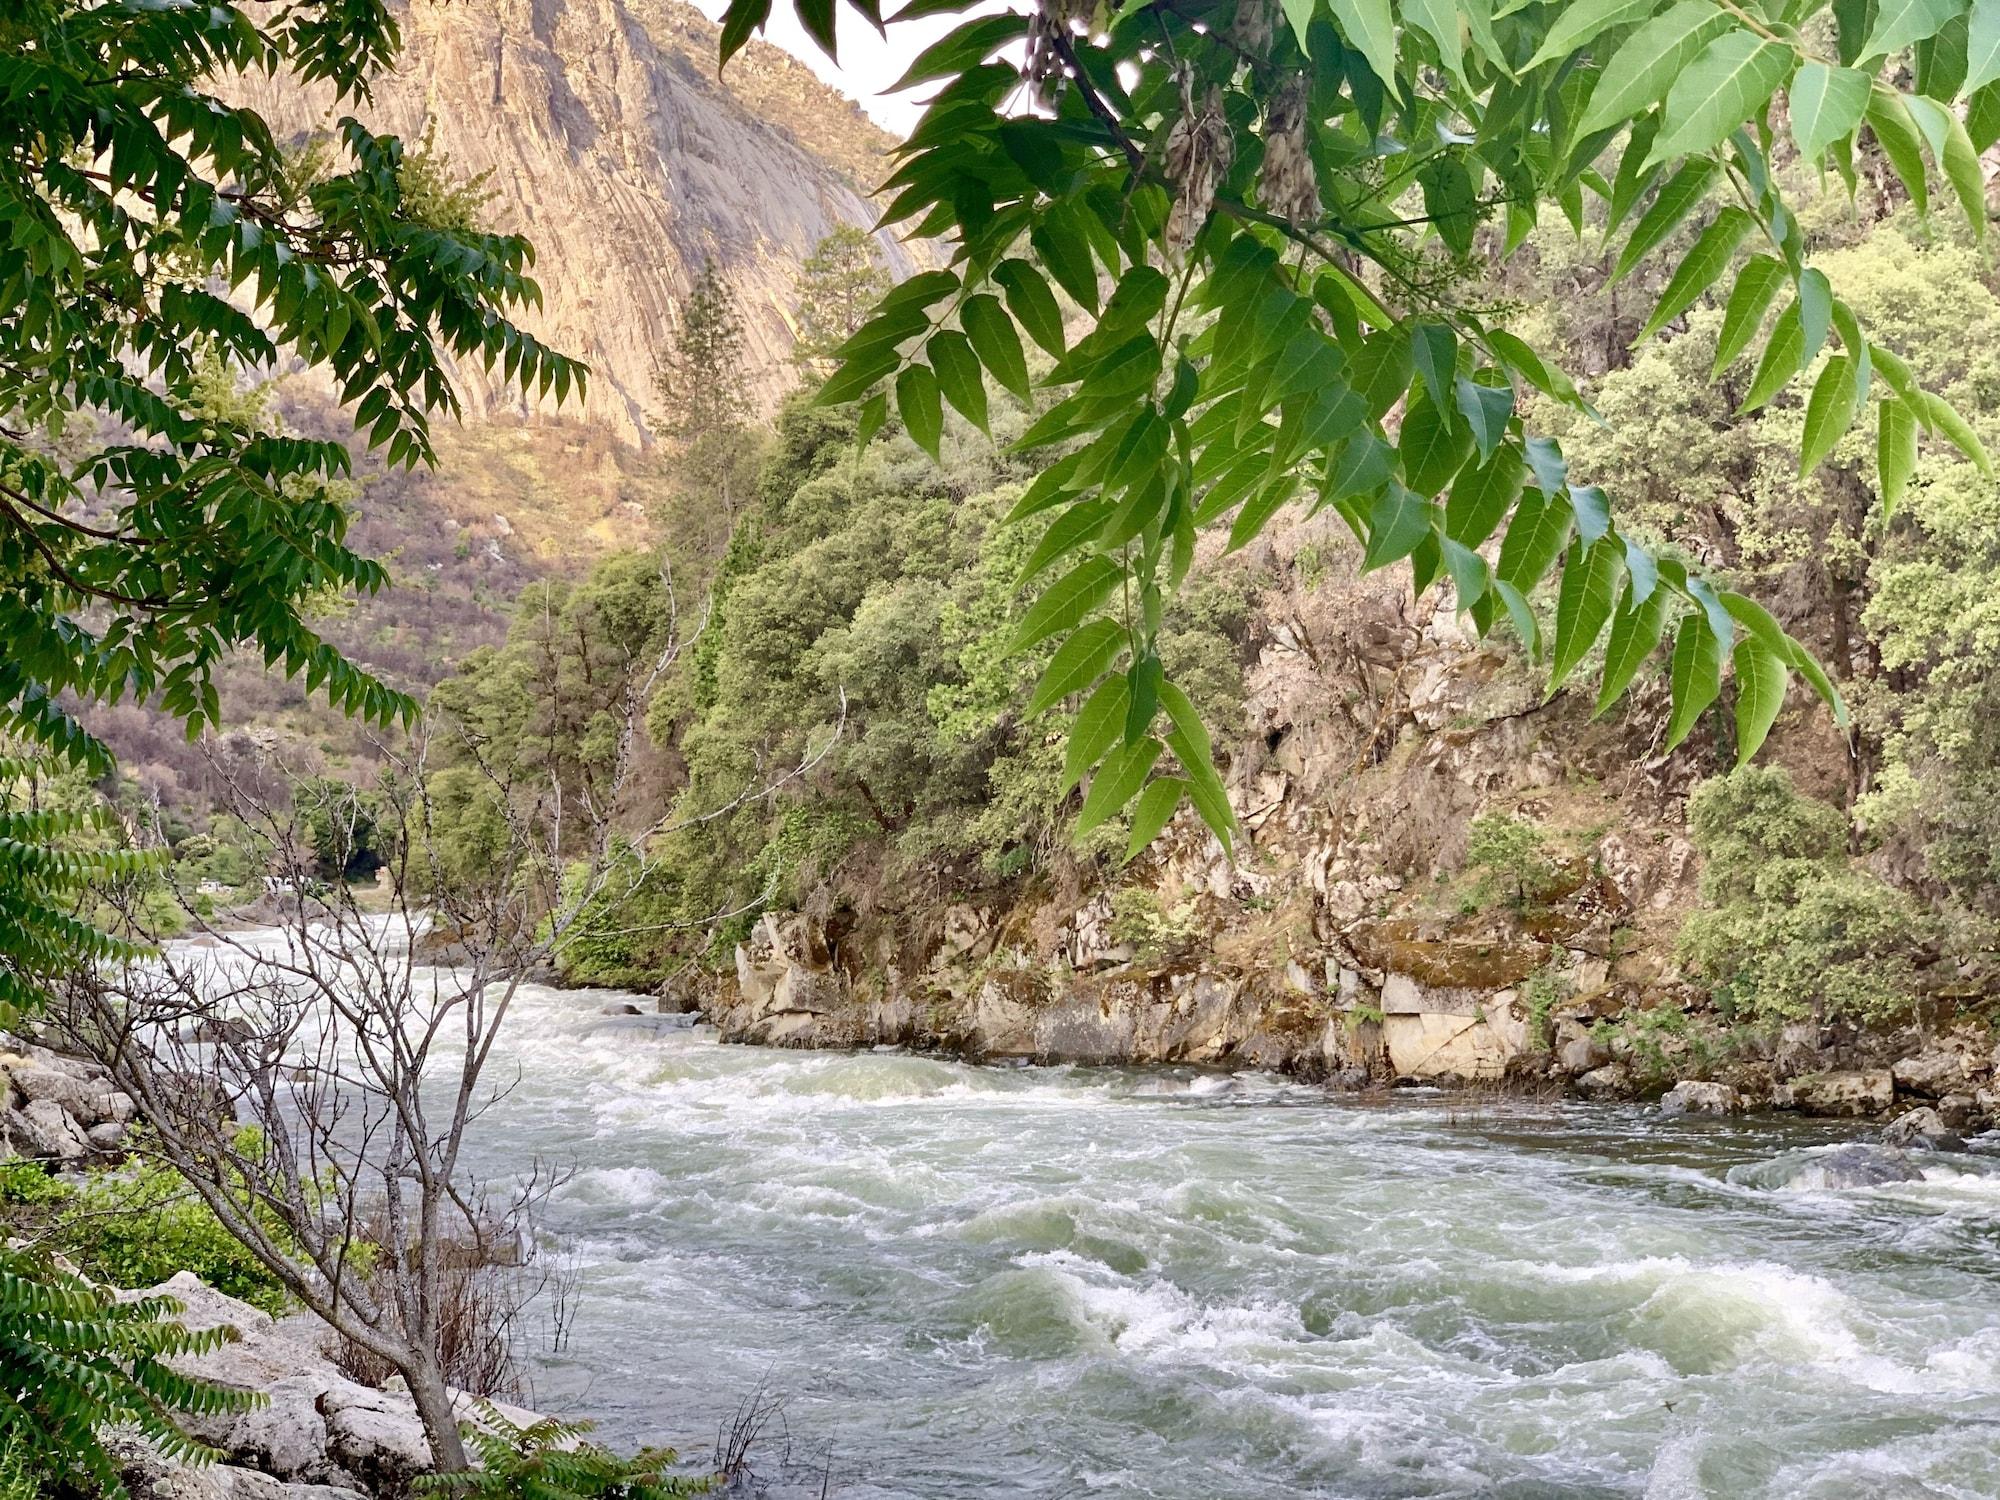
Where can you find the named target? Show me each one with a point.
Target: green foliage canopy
(1243, 234)
(152, 232)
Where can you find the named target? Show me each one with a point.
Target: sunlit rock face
(615, 148)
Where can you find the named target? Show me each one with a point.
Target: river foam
(1179, 1285)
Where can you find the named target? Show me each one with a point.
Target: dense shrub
(1789, 930)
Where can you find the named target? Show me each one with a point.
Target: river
(1059, 1282)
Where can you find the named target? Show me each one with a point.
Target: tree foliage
(1243, 233)
(151, 234)
(701, 379)
(838, 287)
(73, 1362)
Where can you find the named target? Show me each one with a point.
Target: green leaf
(1487, 409)
(1780, 362)
(1584, 603)
(1116, 783)
(957, 369)
(1896, 133)
(1815, 314)
(1369, 29)
(1827, 104)
(1649, 62)
(1398, 521)
(1521, 615)
(1760, 693)
(1900, 23)
(1191, 747)
(1895, 452)
(1635, 633)
(1535, 539)
(1100, 724)
(1154, 812)
(1963, 171)
(1982, 48)
(918, 405)
(1829, 412)
(1482, 496)
(1439, 20)
(1756, 285)
(1732, 80)
(1582, 20)
(1060, 240)
(1381, 370)
(1032, 303)
(1143, 680)
(1068, 602)
(1434, 446)
(1943, 417)
(1685, 189)
(1696, 677)
(1078, 662)
(996, 343)
(1701, 268)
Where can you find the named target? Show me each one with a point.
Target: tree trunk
(433, 1399)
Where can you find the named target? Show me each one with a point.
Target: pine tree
(838, 285)
(701, 380)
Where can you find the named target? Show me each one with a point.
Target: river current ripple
(1058, 1282)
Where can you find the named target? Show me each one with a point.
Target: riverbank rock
(1922, 1130)
(1853, 1167)
(319, 1436)
(1691, 1097)
(57, 1109)
(1852, 1095)
(149, 1474)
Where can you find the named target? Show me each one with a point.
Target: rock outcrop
(57, 1109)
(614, 146)
(319, 1436)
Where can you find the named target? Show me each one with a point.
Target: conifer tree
(838, 285)
(701, 379)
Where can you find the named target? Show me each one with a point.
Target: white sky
(869, 64)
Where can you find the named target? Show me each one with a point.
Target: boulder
(44, 1129)
(626, 1009)
(1612, 1081)
(1922, 1130)
(1853, 1167)
(1961, 1113)
(1839, 1095)
(375, 1435)
(1693, 1097)
(106, 1138)
(1582, 1054)
(1933, 1074)
(76, 1094)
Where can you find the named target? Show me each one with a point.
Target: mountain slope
(614, 147)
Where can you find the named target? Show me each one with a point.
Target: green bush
(1790, 930)
(1512, 860)
(139, 1226)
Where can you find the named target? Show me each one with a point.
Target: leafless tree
(316, 1082)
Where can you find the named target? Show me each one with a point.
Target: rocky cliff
(1345, 941)
(613, 145)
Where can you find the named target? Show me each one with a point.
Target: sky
(869, 64)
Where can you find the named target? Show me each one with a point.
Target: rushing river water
(1060, 1282)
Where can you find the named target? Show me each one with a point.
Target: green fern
(44, 880)
(549, 1461)
(73, 1361)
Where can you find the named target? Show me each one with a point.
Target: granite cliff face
(615, 148)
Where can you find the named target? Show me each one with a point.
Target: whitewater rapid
(1058, 1282)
